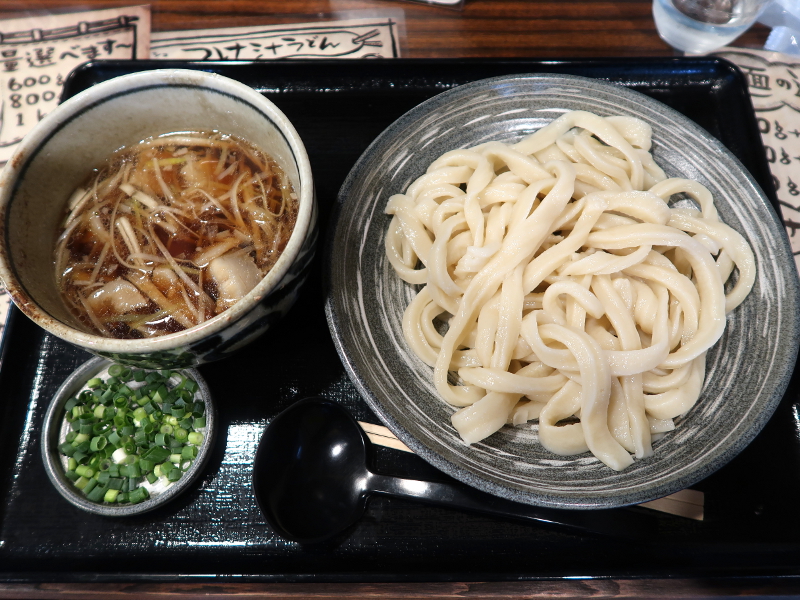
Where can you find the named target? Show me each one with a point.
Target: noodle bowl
(748, 369)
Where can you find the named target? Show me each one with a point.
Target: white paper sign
(37, 54)
(352, 38)
(774, 83)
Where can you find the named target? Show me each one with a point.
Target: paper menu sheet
(351, 38)
(774, 83)
(37, 54)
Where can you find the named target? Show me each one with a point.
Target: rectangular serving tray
(215, 530)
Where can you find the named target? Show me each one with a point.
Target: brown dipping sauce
(172, 232)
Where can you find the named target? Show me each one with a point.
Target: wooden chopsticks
(380, 435)
(686, 503)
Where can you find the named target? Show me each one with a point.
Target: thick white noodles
(571, 291)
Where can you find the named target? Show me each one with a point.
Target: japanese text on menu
(353, 38)
(774, 83)
(35, 61)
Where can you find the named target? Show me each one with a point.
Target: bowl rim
(36, 139)
(339, 327)
(53, 423)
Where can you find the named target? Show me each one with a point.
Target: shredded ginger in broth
(172, 232)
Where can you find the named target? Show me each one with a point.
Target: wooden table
(484, 28)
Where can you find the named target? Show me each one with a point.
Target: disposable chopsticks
(686, 503)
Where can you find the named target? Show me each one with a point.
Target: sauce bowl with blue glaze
(54, 158)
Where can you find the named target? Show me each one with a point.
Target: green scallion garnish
(130, 431)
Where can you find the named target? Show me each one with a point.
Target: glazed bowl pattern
(79, 135)
(747, 371)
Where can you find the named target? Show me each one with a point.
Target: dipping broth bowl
(59, 153)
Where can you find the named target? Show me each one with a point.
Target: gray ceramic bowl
(81, 134)
(747, 372)
(55, 429)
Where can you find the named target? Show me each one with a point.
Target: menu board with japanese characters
(37, 54)
(774, 83)
(351, 38)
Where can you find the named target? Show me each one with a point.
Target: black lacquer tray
(216, 531)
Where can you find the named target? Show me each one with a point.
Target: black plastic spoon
(312, 482)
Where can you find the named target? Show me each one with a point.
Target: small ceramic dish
(56, 428)
(747, 370)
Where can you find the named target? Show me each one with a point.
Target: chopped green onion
(84, 471)
(119, 455)
(189, 452)
(98, 443)
(101, 428)
(140, 494)
(120, 436)
(156, 454)
(67, 449)
(97, 494)
(90, 485)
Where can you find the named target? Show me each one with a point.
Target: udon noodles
(171, 232)
(564, 281)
